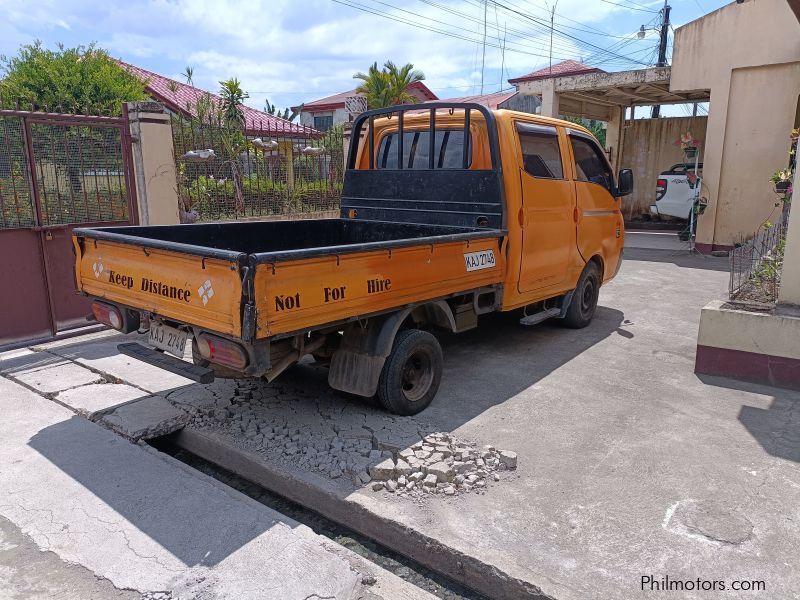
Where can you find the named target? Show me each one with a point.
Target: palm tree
(388, 86)
(401, 80)
(232, 97)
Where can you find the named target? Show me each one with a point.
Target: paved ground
(629, 465)
(119, 520)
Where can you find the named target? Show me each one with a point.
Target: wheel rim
(417, 376)
(587, 295)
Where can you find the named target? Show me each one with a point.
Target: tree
(596, 127)
(287, 113)
(233, 122)
(188, 75)
(79, 80)
(83, 79)
(232, 98)
(388, 86)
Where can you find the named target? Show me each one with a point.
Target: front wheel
(411, 374)
(584, 300)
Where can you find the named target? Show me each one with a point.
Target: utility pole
(662, 48)
(483, 58)
(552, 26)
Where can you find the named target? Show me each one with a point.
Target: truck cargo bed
(282, 239)
(278, 277)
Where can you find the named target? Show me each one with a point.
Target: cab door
(546, 216)
(599, 216)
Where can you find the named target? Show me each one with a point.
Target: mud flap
(355, 372)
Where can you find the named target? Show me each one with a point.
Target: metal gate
(57, 172)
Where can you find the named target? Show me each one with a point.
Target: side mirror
(625, 183)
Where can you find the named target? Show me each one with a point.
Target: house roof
(337, 100)
(182, 98)
(492, 101)
(562, 69)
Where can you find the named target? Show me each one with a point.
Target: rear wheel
(411, 374)
(584, 300)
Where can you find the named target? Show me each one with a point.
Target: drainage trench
(402, 566)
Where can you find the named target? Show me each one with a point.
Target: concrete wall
(746, 54)
(154, 164)
(650, 149)
(747, 345)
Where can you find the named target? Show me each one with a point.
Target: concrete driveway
(632, 471)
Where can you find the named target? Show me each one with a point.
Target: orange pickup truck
(449, 211)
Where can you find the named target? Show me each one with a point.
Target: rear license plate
(475, 261)
(168, 338)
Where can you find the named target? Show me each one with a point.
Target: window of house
(591, 163)
(323, 123)
(448, 150)
(541, 156)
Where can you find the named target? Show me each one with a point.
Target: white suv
(675, 191)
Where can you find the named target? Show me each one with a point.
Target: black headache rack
(456, 197)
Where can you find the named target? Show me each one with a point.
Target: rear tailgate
(307, 291)
(189, 288)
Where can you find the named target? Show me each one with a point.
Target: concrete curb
(484, 578)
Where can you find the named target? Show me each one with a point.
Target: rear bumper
(166, 362)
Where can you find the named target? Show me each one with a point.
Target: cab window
(591, 164)
(448, 150)
(541, 156)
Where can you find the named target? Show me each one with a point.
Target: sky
(292, 52)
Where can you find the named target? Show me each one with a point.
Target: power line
(405, 21)
(538, 22)
(641, 9)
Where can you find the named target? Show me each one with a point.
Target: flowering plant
(687, 141)
(782, 175)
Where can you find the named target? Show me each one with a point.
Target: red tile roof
(182, 98)
(562, 69)
(492, 101)
(337, 100)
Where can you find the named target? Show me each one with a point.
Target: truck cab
(557, 198)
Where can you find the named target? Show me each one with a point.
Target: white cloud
(293, 51)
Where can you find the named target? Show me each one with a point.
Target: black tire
(411, 374)
(584, 300)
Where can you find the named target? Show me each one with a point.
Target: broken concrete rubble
(341, 441)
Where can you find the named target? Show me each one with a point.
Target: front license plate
(476, 261)
(168, 338)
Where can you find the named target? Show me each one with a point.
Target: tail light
(122, 319)
(661, 189)
(107, 314)
(221, 351)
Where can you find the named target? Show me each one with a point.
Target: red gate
(57, 172)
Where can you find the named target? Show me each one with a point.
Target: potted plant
(782, 180)
(688, 144)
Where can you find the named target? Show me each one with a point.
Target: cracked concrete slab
(101, 354)
(145, 419)
(96, 399)
(56, 378)
(27, 573)
(149, 524)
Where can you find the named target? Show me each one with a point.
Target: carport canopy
(601, 95)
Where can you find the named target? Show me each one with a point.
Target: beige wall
(735, 52)
(760, 115)
(649, 149)
(154, 164)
